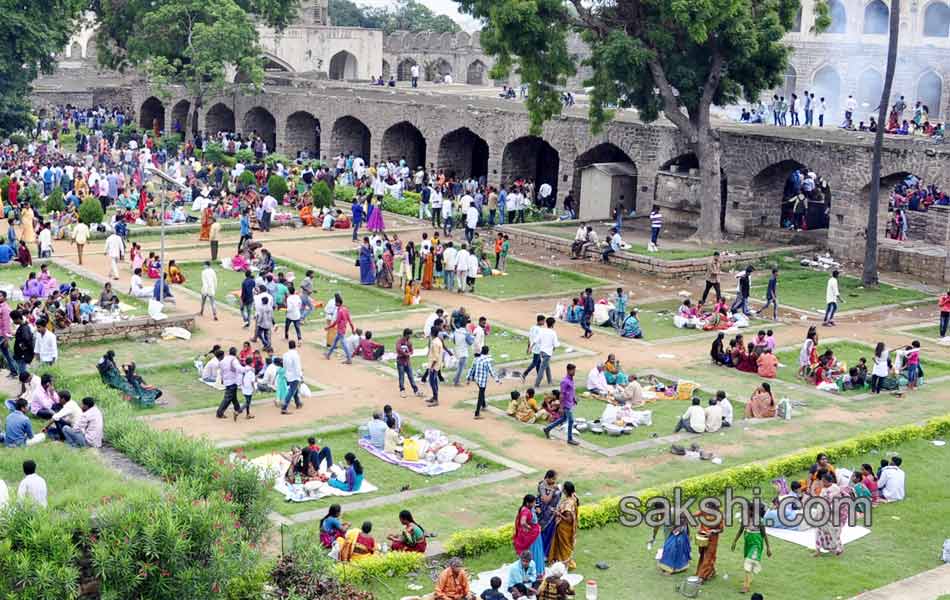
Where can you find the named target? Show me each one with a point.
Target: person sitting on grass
(718, 352)
(452, 583)
(574, 311)
(523, 408)
(412, 538)
(175, 274)
(551, 406)
(331, 527)
(368, 349)
(745, 358)
(358, 543)
(762, 404)
(523, 577)
(353, 475)
(494, 592)
(891, 481)
(767, 364)
(631, 326)
(694, 419)
(597, 381)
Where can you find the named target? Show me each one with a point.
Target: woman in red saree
(707, 540)
(427, 269)
(207, 215)
(412, 538)
(527, 534)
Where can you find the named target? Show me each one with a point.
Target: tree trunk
(870, 248)
(709, 155)
(191, 127)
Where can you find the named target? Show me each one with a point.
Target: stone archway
(260, 121)
(475, 74)
(219, 118)
(774, 190)
(463, 153)
(302, 135)
(180, 116)
(929, 92)
(827, 84)
(533, 158)
(387, 71)
(404, 69)
(350, 135)
(605, 153)
(876, 17)
(404, 141)
(343, 66)
(937, 19)
(152, 113)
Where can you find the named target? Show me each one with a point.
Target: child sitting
(495, 592)
(575, 312)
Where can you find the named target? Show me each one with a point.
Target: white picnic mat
(807, 538)
(482, 581)
(275, 466)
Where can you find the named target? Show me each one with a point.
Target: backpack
(784, 409)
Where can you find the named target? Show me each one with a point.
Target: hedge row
(478, 541)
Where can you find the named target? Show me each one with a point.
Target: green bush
(401, 206)
(380, 566)
(4, 184)
(214, 153)
(55, 201)
(171, 143)
(272, 159)
(18, 139)
(322, 196)
(90, 211)
(344, 193)
(128, 133)
(108, 130)
(247, 178)
(244, 155)
(277, 187)
(37, 555)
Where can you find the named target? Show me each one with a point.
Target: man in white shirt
(232, 372)
(447, 219)
(831, 297)
(45, 345)
(293, 374)
(137, 287)
(80, 237)
(472, 271)
(461, 337)
(67, 415)
(597, 381)
(209, 287)
(547, 342)
(115, 247)
(891, 481)
(33, 487)
(614, 246)
(532, 348)
(45, 242)
(471, 220)
(479, 334)
(713, 416)
(430, 321)
(269, 204)
(414, 74)
(544, 195)
(693, 420)
(449, 262)
(87, 431)
(723, 402)
(461, 268)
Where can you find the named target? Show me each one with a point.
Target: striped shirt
(656, 219)
(481, 370)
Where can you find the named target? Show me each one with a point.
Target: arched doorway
(180, 116)
(261, 122)
(75, 51)
(625, 195)
(475, 74)
(896, 192)
(876, 17)
(404, 141)
(387, 70)
(439, 69)
(929, 92)
(677, 189)
(350, 135)
(827, 85)
(404, 69)
(791, 81)
(219, 118)
(839, 17)
(462, 153)
(302, 135)
(937, 19)
(531, 158)
(790, 195)
(152, 113)
(870, 86)
(343, 66)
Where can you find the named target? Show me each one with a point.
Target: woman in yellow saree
(427, 271)
(357, 543)
(565, 532)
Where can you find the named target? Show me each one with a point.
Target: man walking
(80, 237)
(292, 315)
(832, 297)
(532, 348)
(213, 237)
(587, 304)
(462, 340)
(339, 323)
(245, 228)
(306, 291)
(209, 287)
(656, 224)
(461, 269)
(293, 375)
(231, 374)
(264, 321)
(481, 370)
(414, 74)
(404, 352)
(449, 262)
(247, 298)
(6, 333)
(568, 401)
(547, 342)
(268, 205)
(742, 294)
(771, 296)
(713, 270)
(114, 249)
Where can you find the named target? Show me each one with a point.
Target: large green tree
(32, 33)
(671, 57)
(197, 44)
(403, 15)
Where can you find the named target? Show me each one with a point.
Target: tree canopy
(674, 57)
(404, 15)
(35, 32)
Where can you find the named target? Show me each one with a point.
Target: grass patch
(78, 359)
(390, 479)
(656, 322)
(16, 276)
(924, 331)
(360, 299)
(74, 478)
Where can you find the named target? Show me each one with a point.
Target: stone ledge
(135, 327)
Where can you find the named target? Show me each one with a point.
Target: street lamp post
(166, 181)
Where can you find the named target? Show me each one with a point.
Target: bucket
(690, 587)
(591, 590)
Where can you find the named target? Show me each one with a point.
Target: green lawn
(897, 547)
(74, 478)
(81, 359)
(656, 322)
(924, 331)
(15, 275)
(360, 299)
(390, 479)
(804, 288)
(523, 279)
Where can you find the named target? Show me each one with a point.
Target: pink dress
(375, 222)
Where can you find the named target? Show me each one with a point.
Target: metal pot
(690, 587)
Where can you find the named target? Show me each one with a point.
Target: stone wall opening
(790, 195)
(152, 114)
(530, 158)
(404, 141)
(876, 18)
(350, 135)
(827, 85)
(475, 74)
(889, 185)
(180, 116)
(387, 71)
(259, 121)
(929, 92)
(678, 189)
(839, 17)
(870, 86)
(219, 118)
(603, 153)
(462, 153)
(937, 19)
(440, 68)
(404, 69)
(343, 65)
(302, 135)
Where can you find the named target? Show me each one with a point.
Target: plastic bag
(410, 450)
(305, 391)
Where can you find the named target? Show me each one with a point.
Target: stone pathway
(125, 465)
(928, 585)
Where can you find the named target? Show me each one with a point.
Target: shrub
(55, 202)
(37, 555)
(4, 184)
(379, 566)
(171, 143)
(247, 178)
(272, 159)
(244, 155)
(214, 153)
(322, 196)
(344, 193)
(90, 211)
(128, 133)
(277, 187)
(401, 206)
(109, 129)
(18, 139)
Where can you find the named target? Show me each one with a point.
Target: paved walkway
(928, 585)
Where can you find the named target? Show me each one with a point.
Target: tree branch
(711, 85)
(587, 18)
(671, 107)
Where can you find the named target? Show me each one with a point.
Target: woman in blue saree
(549, 495)
(631, 326)
(676, 553)
(367, 264)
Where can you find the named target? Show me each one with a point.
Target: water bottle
(591, 590)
